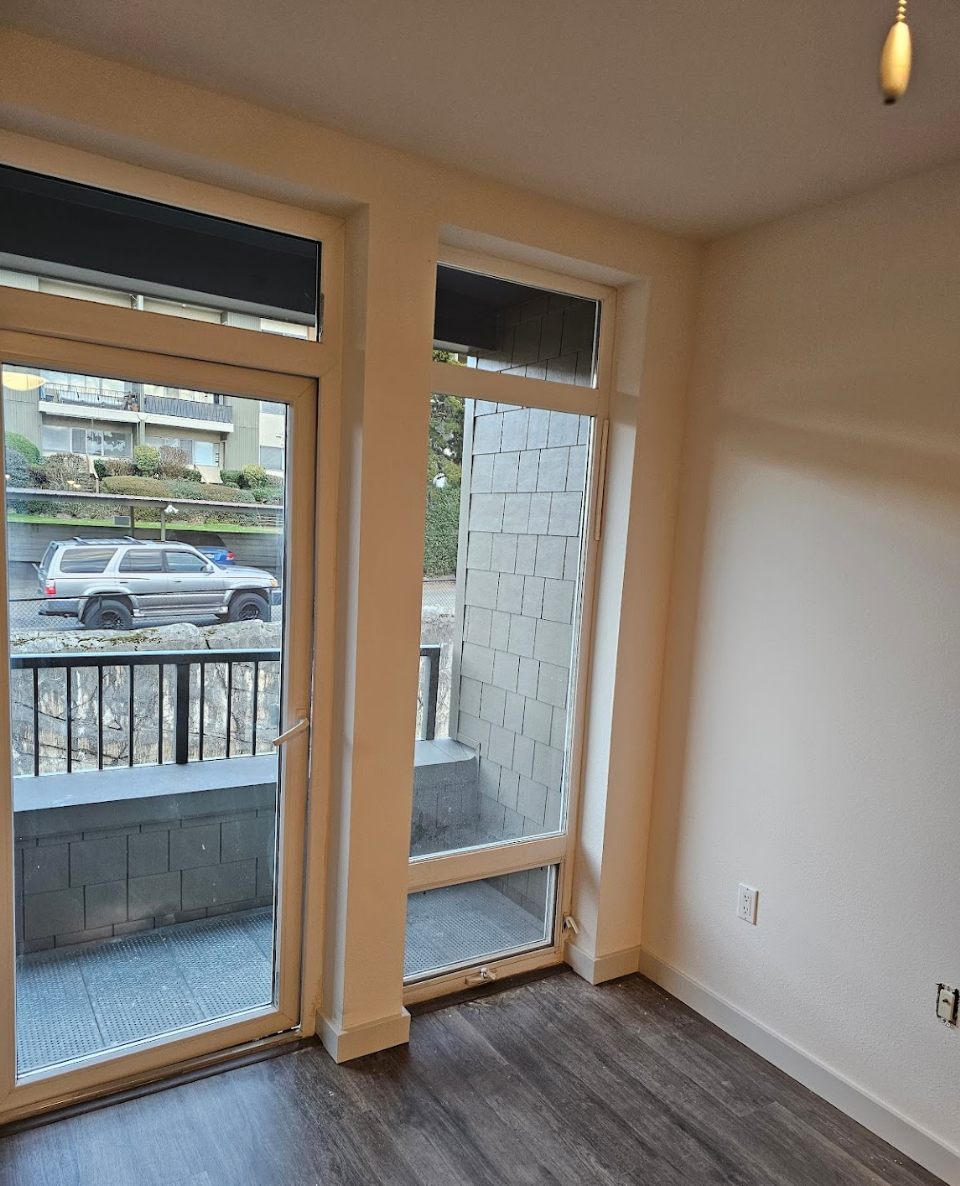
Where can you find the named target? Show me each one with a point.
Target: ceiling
(696, 116)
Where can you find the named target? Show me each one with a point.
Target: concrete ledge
(123, 796)
(346, 1044)
(854, 1101)
(601, 968)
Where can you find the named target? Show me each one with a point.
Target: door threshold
(162, 1080)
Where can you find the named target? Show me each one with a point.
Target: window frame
(559, 849)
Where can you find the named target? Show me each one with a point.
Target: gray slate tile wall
(73, 887)
(520, 590)
(549, 336)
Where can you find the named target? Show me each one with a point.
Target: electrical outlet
(947, 1004)
(747, 897)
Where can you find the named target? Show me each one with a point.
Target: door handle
(299, 727)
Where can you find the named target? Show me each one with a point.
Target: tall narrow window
(505, 566)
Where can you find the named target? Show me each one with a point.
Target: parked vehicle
(221, 556)
(107, 584)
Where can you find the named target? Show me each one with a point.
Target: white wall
(810, 734)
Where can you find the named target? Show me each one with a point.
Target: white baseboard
(345, 1044)
(866, 1109)
(597, 969)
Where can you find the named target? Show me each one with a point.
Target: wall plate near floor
(747, 896)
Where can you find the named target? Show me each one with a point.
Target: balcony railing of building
(122, 708)
(55, 393)
(167, 405)
(130, 401)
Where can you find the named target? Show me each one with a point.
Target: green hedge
(140, 487)
(442, 531)
(26, 448)
(181, 488)
(209, 491)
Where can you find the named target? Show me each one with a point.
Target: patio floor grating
(79, 1000)
(461, 923)
(96, 996)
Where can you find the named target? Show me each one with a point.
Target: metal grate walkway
(96, 996)
(463, 923)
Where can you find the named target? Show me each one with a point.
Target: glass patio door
(514, 478)
(154, 773)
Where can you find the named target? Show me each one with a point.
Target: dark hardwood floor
(554, 1083)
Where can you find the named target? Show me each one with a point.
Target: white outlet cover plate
(747, 896)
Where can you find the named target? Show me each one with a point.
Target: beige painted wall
(809, 740)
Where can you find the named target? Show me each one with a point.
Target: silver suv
(108, 583)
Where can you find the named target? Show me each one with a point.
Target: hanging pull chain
(896, 58)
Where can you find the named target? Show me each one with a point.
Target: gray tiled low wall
(446, 797)
(108, 853)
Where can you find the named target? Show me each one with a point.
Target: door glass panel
(503, 567)
(463, 924)
(146, 653)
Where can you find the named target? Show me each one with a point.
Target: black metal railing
(187, 409)
(429, 691)
(183, 703)
(59, 393)
(130, 401)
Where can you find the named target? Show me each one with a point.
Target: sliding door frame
(557, 849)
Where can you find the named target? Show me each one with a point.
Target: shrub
(252, 476)
(181, 488)
(230, 477)
(184, 488)
(270, 494)
(442, 531)
(146, 460)
(113, 467)
(139, 486)
(90, 510)
(15, 467)
(193, 475)
(218, 493)
(63, 471)
(174, 461)
(26, 448)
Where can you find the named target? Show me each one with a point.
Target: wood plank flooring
(555, 1083)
